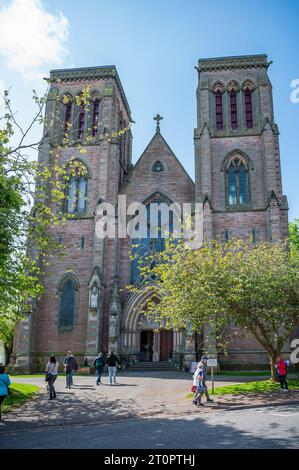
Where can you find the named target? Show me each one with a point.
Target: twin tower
(85, 307)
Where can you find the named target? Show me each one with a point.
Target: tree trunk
(273, 358)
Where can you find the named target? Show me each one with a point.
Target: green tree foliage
(294, 236)
(253, 286)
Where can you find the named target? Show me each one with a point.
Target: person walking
(112, 360)
(204, 361)
(198, 382)
(4, 385)
(281, 369)
(52, 372)
(70, 366)
(99, 363)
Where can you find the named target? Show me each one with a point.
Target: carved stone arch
(232, 85)
(65, 277)
(236, 153)
(86, 165)
(95, 94)
(218, 86)
(155, 195)
(135, 305)
(248, 85)
(67, 94)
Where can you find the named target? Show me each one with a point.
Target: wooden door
(166, 344)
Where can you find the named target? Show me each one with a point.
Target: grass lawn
(246, 373)
(19, 394)
(249, 373)
(262, 386)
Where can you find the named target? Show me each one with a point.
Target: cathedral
(86, 307)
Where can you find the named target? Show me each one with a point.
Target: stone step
(162, 365)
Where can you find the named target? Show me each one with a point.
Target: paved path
(152, 398)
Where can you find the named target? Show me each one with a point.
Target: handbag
(201, 388)
(193, 389)
(48, 374)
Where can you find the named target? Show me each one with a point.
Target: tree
(253, 286)
(294, 235)
(32, 196)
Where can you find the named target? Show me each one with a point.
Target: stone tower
(237, 166)
(237, 161)
(86, 276)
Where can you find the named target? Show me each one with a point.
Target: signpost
(212, 363)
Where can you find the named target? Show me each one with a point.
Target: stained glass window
(142, 247)
(237, 182)
(67, 304)
(76, 188)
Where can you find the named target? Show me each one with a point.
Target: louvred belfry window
(248, 108)
(219, 111)
(68, 116)
(95, 117)
(233, 110)
(81, 123)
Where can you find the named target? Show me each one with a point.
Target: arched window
(155, 240)
(76, 187)
(237, 182)
(219, 111)
(248, 108)
(158, 167)
(68, 116)
(67, 303)
(95, 117)
(233, 109)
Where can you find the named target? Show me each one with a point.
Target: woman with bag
(198, 384)
(51, 375)
(4, 385)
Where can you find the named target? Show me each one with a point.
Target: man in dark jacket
(70, 366)
(112, 360)
(99, 363)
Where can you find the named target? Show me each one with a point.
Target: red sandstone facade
(114, 319)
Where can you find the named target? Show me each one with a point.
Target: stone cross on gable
(158, 118)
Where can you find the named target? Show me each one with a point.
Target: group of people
(200, 377)
(71, 366)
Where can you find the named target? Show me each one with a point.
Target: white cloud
(31, 39)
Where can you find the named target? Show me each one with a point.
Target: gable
(159, 170)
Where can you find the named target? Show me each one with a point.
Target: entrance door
(146, 345)
(166, 344)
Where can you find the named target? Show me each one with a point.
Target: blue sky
(155, 46)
